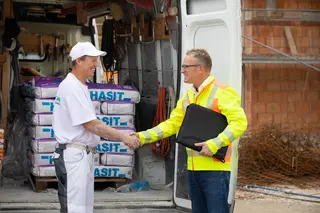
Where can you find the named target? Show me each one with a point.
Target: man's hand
(131, 140)
(134, 133)
(205, 151)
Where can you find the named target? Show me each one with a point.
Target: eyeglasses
(185, 66)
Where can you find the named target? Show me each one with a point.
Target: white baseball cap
(85, 48)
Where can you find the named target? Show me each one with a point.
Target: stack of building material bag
(115, 106)
(39, 108)
(117, 110)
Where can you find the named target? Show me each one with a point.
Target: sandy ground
(249, 202)
(275, 206)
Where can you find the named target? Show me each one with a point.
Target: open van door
(214, 25)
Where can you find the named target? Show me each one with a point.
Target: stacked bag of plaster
(39, 116)
(40, 95)
(115, 106)
(117, 110)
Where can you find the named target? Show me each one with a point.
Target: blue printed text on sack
(106, 172)
(47, 157)
(49, 105)
(113, 121)
(110, 147)
(108, 96)
(49, 130)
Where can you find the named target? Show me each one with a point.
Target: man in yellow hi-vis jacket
(208, 178)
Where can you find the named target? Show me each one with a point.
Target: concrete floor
(108, 211)
(242, 206)
(25, 200)
(25, 195)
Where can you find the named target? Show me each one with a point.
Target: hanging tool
(48, 51)
(63, 52)
(55, 49)
(68, 48)
(41, 44)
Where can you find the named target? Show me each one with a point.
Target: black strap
(62, 146)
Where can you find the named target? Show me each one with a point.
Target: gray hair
(202, 55)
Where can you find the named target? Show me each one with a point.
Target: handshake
(131, 140)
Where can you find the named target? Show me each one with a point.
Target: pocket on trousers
(76, 166)
(73, 155)
(58, 162)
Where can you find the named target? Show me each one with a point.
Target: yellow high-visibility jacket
(218, 97)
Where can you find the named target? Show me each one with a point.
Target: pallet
(40, 184)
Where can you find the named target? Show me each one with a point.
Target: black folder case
(199, 125)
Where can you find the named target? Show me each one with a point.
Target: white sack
(41, 132)
(46, 87)
(113, 171)
(43, 145)
(113, 147)
(97, 107)
(117, 120)
(99, 171)
(110, 159)
(118, 108)
(40, 119)
(41, 159)
(113, 92)
(43, 171)
(45, 92)
(40, 105)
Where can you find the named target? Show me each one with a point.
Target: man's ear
(201, 68)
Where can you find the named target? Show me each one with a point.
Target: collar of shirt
(204, 84)
(71, 75)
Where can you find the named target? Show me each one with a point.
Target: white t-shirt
(72, 108)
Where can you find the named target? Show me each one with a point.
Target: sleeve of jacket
(166, 128)
(230, 106)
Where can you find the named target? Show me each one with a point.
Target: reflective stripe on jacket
(218, 97)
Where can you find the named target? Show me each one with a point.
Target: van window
(205, 6)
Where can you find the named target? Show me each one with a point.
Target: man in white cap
(78, 132)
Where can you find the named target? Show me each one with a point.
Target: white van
(149, 59)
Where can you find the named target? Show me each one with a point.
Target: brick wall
(298, 4)
(285, 4)
(282, 94)
(306, 35)
(285, 94)
(306, 38)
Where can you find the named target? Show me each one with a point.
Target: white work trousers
(80, 180)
